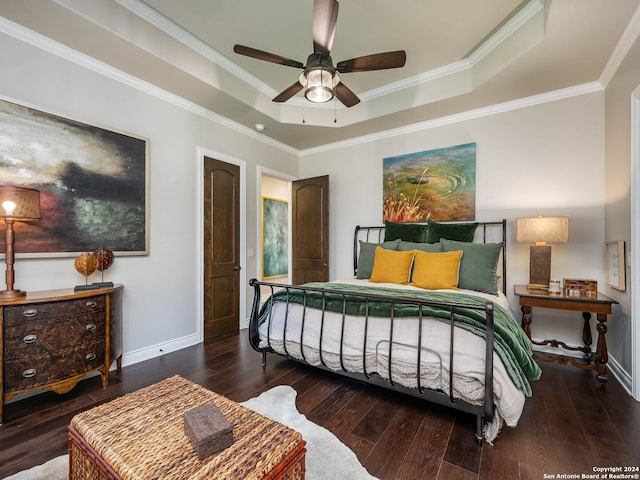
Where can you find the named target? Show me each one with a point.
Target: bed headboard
(487, 232)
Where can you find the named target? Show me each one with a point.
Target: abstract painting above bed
(438, 184)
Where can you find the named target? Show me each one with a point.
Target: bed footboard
(263, 312)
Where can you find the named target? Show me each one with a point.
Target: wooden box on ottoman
(141, 436)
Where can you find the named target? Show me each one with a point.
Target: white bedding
(468, 357)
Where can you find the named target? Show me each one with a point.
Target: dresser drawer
(14, 315)
(42, 369)
(51, 340)
(35, 337)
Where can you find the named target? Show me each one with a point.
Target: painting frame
(93, 182)
(615, 264)
(437, 185)
(275, 237)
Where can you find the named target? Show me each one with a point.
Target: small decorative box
(207, 429)
(580, 288)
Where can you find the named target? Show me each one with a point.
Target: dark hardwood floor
(569, 425)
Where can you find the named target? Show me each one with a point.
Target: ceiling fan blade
(377, 61)
(325, 17)
(267, 57)
(288, 92)
(345, 95)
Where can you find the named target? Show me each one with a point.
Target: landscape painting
(437, 185)
(275, 237)
(93, 183)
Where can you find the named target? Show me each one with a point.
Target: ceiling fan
(320, 79)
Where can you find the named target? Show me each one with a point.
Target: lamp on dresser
(540, 230)
(17, 204)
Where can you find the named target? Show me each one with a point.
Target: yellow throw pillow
(436, 270)
(390, 266)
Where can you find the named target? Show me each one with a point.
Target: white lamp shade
(541, 230)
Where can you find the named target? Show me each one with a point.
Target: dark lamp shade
(26, 200)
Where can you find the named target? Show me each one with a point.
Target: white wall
(161, 296)
(541, 159)
(619, 138)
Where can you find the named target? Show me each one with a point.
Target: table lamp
(17, 204)
(540, 230)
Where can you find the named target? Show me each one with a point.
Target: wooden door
(310, 230)
(221, 247)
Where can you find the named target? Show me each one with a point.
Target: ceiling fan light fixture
(319, 84)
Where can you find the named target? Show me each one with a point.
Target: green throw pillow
(462, 232)
(423, 247)
(409, 232)
(478, 266)
(367, 254)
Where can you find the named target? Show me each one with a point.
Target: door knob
(237, 268)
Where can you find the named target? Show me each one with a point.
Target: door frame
(202, 152)
(635, 241)
(260, 170)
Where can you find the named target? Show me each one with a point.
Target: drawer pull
(29, 373)
(91, 327)
(92, 304)
(29, 339)
(90, 356)
(30, 312)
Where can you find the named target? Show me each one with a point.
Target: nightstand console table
(600, 305)
(53, 339)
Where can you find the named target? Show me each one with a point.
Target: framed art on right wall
(615, 264)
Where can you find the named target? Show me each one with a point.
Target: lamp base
(539, 266)
(11, 294)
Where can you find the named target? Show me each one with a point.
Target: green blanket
(510, 342)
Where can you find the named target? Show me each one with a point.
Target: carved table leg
(526, 320)
(602, 356)
(586, 336)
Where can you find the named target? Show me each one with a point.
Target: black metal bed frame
(484, 413)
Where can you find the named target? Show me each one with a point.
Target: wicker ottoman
(141, 436)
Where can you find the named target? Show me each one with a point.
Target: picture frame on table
(615, 255)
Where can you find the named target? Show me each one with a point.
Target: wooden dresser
(52, 339)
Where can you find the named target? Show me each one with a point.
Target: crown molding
(629, 37)
(487, 47)
(44, 43)
(48, 45)
(460, 117)
(150, 15)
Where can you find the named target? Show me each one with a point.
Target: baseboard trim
(153, 351)
(621, 374)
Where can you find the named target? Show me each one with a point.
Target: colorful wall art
(438, 185)
(93, 183)
(275, 237)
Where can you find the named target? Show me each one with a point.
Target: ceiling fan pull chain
(335, 115)
(303, 115)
